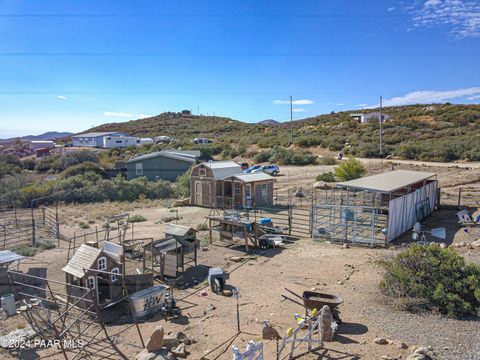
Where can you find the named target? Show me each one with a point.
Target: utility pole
(291, 120)
(381, 129)
(198, 110)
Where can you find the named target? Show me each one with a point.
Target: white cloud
(294, 102)
(339, 104)
(299, 110)
(143, 116)
(61, 97)
(391, 8)
(116, 114)
(431, 96)
(461, 17)
(361, 105)
(474, 97)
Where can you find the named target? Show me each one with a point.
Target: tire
(275, 173)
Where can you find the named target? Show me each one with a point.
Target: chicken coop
(377, 209)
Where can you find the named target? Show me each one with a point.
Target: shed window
(202, 172)
(102, 263)
(139, 168)
(237, 188)
(264, 190)
(114, 277)
(91, 282)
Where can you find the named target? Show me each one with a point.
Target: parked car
(268, 169)
(202, 141)
(252, 168)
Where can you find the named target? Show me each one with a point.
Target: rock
(421, 350)
(380, 341)
(157, 355)
(345, 246)
(17, 336)
(476, 243)
(155, 342)
(184, 338)
(328, 324)
(321, 185)
(181, 202)
(443, 245)
(208, 308)
(236, 259)
(269, 332)
(400, 345)
(227, 292)
(170, 341)
(416, 357)
(180, 351)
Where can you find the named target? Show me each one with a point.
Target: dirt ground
(263, 275)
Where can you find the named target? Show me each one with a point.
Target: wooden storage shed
(108, 287)
(177, 249)
(222, 184)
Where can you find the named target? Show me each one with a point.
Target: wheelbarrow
(316, 300)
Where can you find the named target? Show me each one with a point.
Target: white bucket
(8, 304)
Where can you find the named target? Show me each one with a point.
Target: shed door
(170, 265)
(206, 194)
(238, 194)
(198, 193)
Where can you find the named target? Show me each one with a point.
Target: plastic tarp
(405, 211)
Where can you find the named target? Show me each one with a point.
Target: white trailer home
(111, 141)
(41, 144)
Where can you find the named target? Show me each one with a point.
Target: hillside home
(93, 139)
(41, 144)
(366, 118)
(161, 165)
(222, 184)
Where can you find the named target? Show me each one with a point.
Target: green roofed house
(161, 165)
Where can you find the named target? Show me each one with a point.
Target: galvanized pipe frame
(64, 331)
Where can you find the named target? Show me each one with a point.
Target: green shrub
(182, 184)
(350, 170)
(327, 177)
(202, 227)
(136, 218)
(328, 160)
(262, 156)
(283, 156)
(83, 168)
(31, 250)
(439, 276)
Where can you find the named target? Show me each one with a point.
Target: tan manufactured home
(222, 184)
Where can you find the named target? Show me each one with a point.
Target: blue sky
(68, 65)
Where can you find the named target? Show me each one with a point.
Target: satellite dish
(439, 233)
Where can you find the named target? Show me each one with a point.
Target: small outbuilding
(374, 210)
(161, 165)
(7, 257)
(222, 184)
(41, 144)
(169, 255)
(107, 284)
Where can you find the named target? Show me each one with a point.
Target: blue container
(264, 221)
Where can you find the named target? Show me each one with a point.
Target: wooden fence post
(459, 197)
(33, 231)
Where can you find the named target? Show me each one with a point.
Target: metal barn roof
(223, 169)
(261, 176)
(84, 258)
(189, 156)
(7, 256)
(96, 134)
(387, 182)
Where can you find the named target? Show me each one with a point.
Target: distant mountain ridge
(49, 135)
(269, 122)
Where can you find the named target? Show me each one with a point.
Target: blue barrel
(264, 221)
